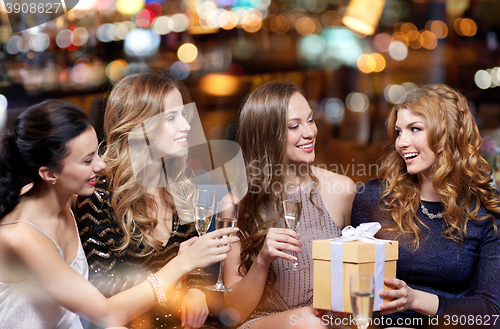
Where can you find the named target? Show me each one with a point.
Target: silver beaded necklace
(428, 214)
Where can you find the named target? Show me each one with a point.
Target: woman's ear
(47, 175)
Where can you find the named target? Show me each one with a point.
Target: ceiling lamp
(363, 15)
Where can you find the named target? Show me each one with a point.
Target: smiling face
(412, 143)
(80, 167)
(302, 131)
(171, 141)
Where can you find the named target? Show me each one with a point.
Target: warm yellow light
(429, 40)
(305, 26)
(187, 52)
(129, 7)
(440, 29)
(363, 15)
(252, 24)
(379, 62)
(219, 84)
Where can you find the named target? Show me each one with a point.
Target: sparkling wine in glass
(292, 209)
(203, 212)
(226, 216)
(362, 293)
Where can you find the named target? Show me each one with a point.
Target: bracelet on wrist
(155, 282)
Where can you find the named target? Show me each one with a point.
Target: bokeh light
(357, 102)
(219, 84)
(180, 70)
(115, 70)
(482, 79)
(40, 42)
(381, 42)
(187, 52)
(64, 38)
(142, 42)
(334, 109)
(395, 94)
(398, 50)
(129, 7)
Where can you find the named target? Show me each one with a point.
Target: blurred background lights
(163, 25)
(465, 27)
(395, 94)
(129, 7)
(180, 23)
(381, 42)
(64, 38)
(357, 102)
(482, 79)
(363, 15)
(180, 70)
(14, 45)
(219, 84)
(80, 36)
(115, 70)
(142, 42)
(398, 50)
(334, 109)
(40, 42)
(187, 52)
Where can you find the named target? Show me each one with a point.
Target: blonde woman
(434, 195)
(127, 225)
(277, 134)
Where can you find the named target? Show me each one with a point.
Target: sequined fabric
(24, 305)
(295, 289)
(112, 271)
(465, 277)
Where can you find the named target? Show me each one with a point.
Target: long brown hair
(133, 100)
(462, 176)
(262, 136)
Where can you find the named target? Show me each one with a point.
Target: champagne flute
(362, 292)
(203, 210)
(226, 216)
(292, 209)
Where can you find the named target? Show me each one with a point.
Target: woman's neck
(427, 191)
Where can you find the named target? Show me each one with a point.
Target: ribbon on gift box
(364, 232)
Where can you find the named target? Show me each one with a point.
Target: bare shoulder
(331, 183)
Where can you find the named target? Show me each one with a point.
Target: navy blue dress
(465, 277)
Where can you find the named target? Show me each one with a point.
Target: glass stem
(221, 271)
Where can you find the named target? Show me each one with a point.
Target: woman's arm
(247, 290)
(37, 259)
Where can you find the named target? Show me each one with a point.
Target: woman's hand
(406, 298)
(194, 309)
(186, 244)
(402, 294)
(277, 241)
(208, 249)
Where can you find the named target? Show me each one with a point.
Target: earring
(54, 183)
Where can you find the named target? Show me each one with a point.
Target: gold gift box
(358, 257)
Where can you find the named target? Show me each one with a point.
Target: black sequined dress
(112, 271)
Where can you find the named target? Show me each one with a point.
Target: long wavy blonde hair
(262, 135)
(134, 99)
(461, 176)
